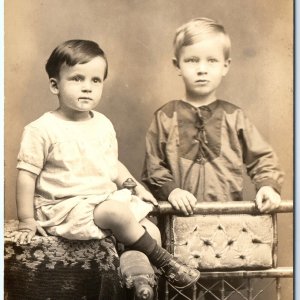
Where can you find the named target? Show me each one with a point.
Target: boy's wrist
(176, 190)
(269, 183)
(27, 224)
(27, 219)
(167, 189)
(139, 187)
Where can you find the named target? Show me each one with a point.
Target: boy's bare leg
(152, 229)
(117, 217)
(133, 264)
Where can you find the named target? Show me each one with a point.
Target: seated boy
(69, 172)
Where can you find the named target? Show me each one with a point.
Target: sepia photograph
(149, 149)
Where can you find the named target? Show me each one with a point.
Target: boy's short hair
(195, 31)
(73, 52)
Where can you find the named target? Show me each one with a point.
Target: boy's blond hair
(197, 30)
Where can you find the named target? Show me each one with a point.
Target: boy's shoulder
(228, 107)
(168, 108)
(43, 120)
(103, 120)
(99, 116)
(171, 106)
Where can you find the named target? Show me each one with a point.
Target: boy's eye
(96, 80)
(212, 60)
(192, 60)
(76, 78)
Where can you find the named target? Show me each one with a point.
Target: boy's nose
(86, 86)
(202, 68)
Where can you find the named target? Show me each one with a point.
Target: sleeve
(157, 173)
(32, 152)
(113, 142)
(259, 158)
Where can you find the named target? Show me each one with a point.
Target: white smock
(76, 166)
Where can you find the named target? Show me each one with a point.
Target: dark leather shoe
(179, 275)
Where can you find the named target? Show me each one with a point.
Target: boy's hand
(267, 199)
(143, 194)
(183, 201)
(26, 231)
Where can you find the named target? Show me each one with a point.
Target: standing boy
(196, 147)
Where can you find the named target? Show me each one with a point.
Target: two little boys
(69, 176)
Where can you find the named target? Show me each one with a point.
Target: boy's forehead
(96, 65)
(214, 44)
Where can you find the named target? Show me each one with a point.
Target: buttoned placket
(201, 137)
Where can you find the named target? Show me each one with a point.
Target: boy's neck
(76, 116)
(200, 101)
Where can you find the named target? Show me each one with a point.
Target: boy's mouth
(84, 98)
(201, 82)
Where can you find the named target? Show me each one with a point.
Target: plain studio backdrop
(137, 37)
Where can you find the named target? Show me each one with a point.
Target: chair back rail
(232, 207)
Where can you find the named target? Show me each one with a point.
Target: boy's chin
(200, 96)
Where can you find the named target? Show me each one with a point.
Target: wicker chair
(232, 244)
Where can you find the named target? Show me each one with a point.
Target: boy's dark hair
(73, 52)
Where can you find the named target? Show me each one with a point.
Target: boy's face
(79, 88)
(202, 67)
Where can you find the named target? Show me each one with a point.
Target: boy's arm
(157, 173)
(259, 158)
(141, 192)
(262, 167)
(25, 194)
(25, 208)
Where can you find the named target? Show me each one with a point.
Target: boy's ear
(53, 86)
(226, 66)
(176, 65)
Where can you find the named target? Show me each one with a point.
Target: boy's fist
(267, 199)
(183, 201)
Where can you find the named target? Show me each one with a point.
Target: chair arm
(232, 207)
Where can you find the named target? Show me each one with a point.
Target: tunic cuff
(269, 182)
(166, 189)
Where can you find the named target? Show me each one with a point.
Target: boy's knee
(152, 230)
(111, 213)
